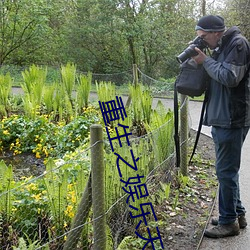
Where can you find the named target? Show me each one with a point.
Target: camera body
(190, 51)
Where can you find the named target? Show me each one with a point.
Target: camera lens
(187, 53)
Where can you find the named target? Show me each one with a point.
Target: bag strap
(199, 127)
(176, 126)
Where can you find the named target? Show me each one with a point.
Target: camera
(190, 51)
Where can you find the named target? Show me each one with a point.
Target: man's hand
(200, 58)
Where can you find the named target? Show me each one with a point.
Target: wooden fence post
(184, 135)
(80, 218)
(135, 74)
(135, 82)
(98, 188)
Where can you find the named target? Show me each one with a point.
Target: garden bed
(187, 222)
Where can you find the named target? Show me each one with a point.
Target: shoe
(241, 219)
(221, 231)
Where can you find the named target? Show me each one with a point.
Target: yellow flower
(31, 187)
(73, 199)
(17, 152)
(38, 155)
(37, 196)
(45, 151)
(69, 211)
(6, 132)
(14, 209)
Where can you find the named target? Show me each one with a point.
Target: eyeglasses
(203, 36)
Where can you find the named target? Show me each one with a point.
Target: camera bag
(192, 79)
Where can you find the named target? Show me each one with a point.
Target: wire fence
(56, 209)
(158, 87)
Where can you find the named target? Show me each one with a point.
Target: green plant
(30, 207)
(135, 93)
(28, 244)
(48, 98)
(133, 243)
(56, 184)
(162, 194)
(166, 188)
(83, 91)
(161, 126)
(34, 81)
(106, 91)
(42, 136)
(5, 90)
(112, 178)
(184, 181)
(146, 102)
(62, 104)
(176, 199)
(68, 74)
(6, 196)
(141, 107)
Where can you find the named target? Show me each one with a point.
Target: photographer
(228, 112)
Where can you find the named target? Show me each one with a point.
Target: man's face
(211, 38)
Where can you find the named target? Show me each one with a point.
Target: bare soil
(186, 222)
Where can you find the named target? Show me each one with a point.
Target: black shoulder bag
(191, 81)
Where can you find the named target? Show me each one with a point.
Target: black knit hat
(211, 23)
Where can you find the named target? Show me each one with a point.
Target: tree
(20, 22)
(237, 13)
(102, 36)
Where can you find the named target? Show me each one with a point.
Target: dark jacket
(228, 103)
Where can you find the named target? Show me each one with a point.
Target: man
(228, 112)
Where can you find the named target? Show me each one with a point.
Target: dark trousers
(228, 145)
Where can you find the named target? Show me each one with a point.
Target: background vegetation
(104, 36)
